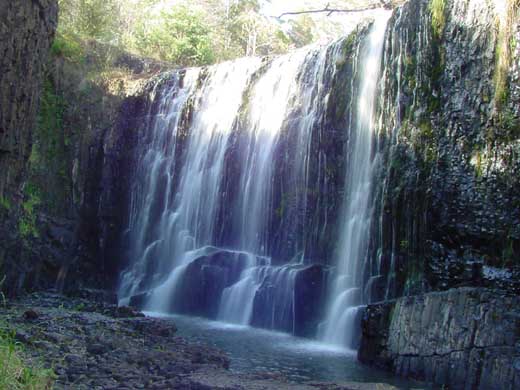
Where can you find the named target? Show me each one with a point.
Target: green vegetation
(410, 63)
(186, 33)
(50, 119)
(49, 173)
(478, 163)
(506, 129)
(14, 373)
(27, 222)
(437, 10)
(94, 19)
(68, 46)
(438, 17)
(181, 36)
(423, 139)
(503, 51)
(427, 141)
(502, 63)
(5, 203)
(509, 125)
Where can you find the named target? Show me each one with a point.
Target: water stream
(346, 299)
(297, 359)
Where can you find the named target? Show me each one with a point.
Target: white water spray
(345, 295)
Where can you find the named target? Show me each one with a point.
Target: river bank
(92, 344)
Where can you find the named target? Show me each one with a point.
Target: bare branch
(388, 4)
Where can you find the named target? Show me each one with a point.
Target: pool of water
(252, 349)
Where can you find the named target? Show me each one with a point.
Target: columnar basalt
(26, 32)
(463, 338)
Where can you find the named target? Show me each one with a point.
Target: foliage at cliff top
(186, 33)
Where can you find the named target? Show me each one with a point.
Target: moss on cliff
(50, 154)
(437, 9)
(504, 48)
(26, 33)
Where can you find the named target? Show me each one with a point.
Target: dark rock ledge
(95, 345)
(465, 338)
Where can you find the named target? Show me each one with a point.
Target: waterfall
(238, 179)
(222, 176)
(173, 207)
(345, 296)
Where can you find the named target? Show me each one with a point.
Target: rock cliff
(59, 139)
(449, 205)
(464, 338)
(26, 34)
(450, 133)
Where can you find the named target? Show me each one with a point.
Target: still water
(298, 359)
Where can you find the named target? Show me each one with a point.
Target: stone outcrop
(449, 213)
(465, 338)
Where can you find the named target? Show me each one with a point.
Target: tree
(301, 31)
(179, 35)
(91, 19)
(389, 4)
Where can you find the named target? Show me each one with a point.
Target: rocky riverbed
(91, 344)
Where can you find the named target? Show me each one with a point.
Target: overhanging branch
(387, 4)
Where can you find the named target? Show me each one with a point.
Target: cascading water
(346, 291)
(238, 172)
(173, 207)
(207, 180)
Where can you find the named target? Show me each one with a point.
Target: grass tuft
(14, 373)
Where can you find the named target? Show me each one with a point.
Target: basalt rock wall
(463, 338)
(449, 203)
(26, 32)
(448, 212)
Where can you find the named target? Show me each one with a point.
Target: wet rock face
(291, 305)
(464, 338)
(285, 298)
(450, 158)
(200, 290)
(26, 34)
(449, 202)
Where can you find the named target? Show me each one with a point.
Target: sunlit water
(346, 300)
(298, 359)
